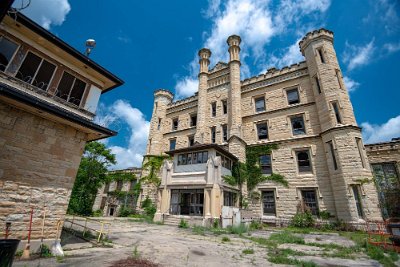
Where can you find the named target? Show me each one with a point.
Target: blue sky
(153, 44)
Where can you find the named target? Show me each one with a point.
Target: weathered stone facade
(107, 199)
(45, 122)
(328, 139)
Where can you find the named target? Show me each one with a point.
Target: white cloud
(357, 56)
(384, 13)
(373, 133)
(186, 87)
(121, 112)
(351, 84)
(287, 56)
(391, 47)
(257, 22)
(45, 12)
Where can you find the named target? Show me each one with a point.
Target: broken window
(262, 131)
(357, 198)
(268, 199)
(336, 110)
(214, 109)
(175, 124)
(71, 89)
(310, 200)
(224, 106)
(191, 140)
(260, 104)
(193, 120)
(303, 161)
(293, 96)
(298, 125)
(213, 134)
(7, 51)
(36, 71)
(265, 164)
(224, 132)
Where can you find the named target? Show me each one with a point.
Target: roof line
(27, 22)
(35, 102)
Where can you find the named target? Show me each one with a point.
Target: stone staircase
(171, 220)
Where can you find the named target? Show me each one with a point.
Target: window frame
(294, 117)
(37, 70)
(314, 211)
(266, 165)
(336, 111)
(214, 109)
(263, 193)
(224, 104)
(257, 130)
(81, 102)
(224, 128)
(298, 96)
(321, 55)
(256, 98)
(213, 134)
(190, 137)
(191, 120)
(15, 52)
(302, 169)
(175, 128)
(356, 191)
(170, 143)
(333, 156)
(317, 84)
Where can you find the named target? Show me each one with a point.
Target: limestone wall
(38, 164)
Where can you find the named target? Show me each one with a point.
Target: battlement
(164, 92)
(310, 36)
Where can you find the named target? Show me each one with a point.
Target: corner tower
(345, 154)
(204, 62)
(155, 143)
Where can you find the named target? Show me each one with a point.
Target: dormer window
(71, 89)
(36, 71)
(7, 51)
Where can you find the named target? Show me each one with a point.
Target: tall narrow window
(175, 124)
(330, 144)
(191, 140)
(317, 84)
(259, 104)
(265, 164)
(360, 151)
(321, 55)
(193, 120)
(119, 185)
(36, 71)
(337, 114)
(224, 106)
(357, 199)
(310, 200)
(159, 124)
(338, 77)
(298, 125)
(214, 109)
(7, 51)
(71, 89)
(293, 96)
(172, 144)
(224, 132)
(262, 131)
(268, 198)
(213, 134)
(303, 161)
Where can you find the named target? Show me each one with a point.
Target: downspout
(4, 7)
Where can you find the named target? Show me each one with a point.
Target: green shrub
(239, 230)
(324, 215)
(302, 220)
(149, 208)
(97, 213)
(216, 223)
(256, 225)
(225, 239)
(44, 251)
(248, 251)
(199, 230)
(183, 224)
(126, 211)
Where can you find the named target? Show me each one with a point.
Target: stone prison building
(304, 109)
(48, 97)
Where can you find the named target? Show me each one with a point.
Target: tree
(91, 175)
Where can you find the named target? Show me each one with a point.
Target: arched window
(303, 161)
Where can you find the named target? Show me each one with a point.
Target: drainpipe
(4, 7)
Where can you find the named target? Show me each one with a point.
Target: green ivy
(153, 165)
(120, 176)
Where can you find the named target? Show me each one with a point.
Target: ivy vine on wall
(153, 165)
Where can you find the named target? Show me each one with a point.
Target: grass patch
(286, 237)
(248, 251)
(183, 224)
(226, 239)
(199, 230)
(281, 256)
(238, 230)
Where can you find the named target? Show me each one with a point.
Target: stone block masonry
(39, 159)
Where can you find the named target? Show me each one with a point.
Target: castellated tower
(339, 131)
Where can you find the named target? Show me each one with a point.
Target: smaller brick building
(109, 201)
(48, 97)
(385, 164)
